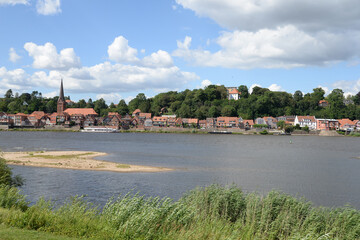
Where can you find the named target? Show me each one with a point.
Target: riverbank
(77, 160)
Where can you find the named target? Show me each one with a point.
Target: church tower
(61, 104)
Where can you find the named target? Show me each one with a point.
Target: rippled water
(325, 170)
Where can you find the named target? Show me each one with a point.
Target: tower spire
(61, 95)
(61, 104)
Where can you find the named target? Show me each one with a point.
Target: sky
(116, 49)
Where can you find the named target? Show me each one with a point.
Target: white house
(303, 121)
(233, 93)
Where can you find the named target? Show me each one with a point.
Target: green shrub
(264, 132)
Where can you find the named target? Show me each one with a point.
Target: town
(85, 118)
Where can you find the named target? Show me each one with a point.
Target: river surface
(324, 170)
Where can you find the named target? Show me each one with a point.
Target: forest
(202, 103)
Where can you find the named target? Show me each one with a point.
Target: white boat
(99, 130)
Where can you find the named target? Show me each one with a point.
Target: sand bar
(78, 160)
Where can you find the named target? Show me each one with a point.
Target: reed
(213, 212)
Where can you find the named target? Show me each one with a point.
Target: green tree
(9, 94)
(122, 108)
(280, 124)
(6, 177)
(214, 112)
(184, 111)
(228, 111)
(244, 91)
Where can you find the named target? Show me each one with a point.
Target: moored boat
(99, 130)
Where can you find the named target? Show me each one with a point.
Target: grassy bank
(214, 212)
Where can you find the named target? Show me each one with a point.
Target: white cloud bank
(277, 33)
(130, 73)
(48, 7)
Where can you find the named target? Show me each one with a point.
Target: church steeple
(61, 95)
(61, 104)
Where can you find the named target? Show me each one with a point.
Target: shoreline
(75, 160)
(183, 131)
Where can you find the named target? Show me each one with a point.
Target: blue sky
(116, 49)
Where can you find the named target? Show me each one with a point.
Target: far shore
(77, 160)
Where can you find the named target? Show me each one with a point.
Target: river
(324, 170)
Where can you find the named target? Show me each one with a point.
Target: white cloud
(120, 51)
(326, 89)
(252, 87)
(154, 72)
(205, 83)
(109, 97)
(186, 44)
(50, 94)
(277, 33)
(13, 57)
(349, 87)
(273, 87)
(250, 15)
(284, 47)
(107, 77)
(48, 7)
(16, 79)
(46, 56)
(13, 2)
(276, 88)
(158, 59)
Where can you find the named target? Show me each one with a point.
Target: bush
(6, 175)
(289, 129)
(264, 132)
(306, 128)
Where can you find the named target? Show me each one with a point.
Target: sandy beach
(78, 160)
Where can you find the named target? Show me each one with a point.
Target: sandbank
(78, 160)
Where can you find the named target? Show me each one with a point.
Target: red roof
(250, 122)
(346, 121)
(37, 114)
(136, 111)
(160, 119)
(233, 91)
(21, 114)
(145, 115)
(227, 119)
(302, 118)
(83, 111)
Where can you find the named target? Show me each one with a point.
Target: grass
(11, 233)
(123, 166)
(66, 156)
(214, 212)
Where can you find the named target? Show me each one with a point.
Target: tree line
(202, 103)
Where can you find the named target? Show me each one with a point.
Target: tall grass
(214, 212)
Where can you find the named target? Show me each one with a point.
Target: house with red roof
(159, 121)
(227, 122)
(346, 124)
(21, 120)
(303, 121)
(323, 103)
(39, 119)
(246, 124)
(233, 93)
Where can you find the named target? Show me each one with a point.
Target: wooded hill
(202, 103)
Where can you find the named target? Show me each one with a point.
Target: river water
(324, 170)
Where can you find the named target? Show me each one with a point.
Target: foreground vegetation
(213, 212)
